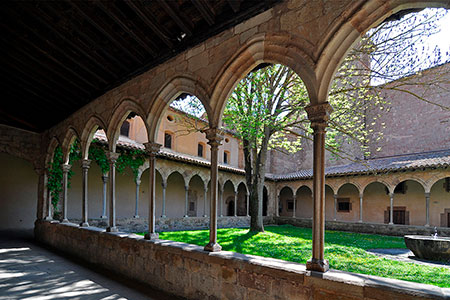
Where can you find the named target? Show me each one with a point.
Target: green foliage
(55, 177)
(97, 154)
(345, 251)
(132, 159)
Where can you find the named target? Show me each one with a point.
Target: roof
(435, 159)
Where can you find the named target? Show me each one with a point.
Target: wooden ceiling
(57, 56)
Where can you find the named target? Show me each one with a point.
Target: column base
(205, 216)
(360, 221)
(65, 221)
(136, 217)
(390, 223)
(48, 218)
(427, 225)
(151, 236)
(163, 216)
(185, 216)
(318, 265)
(84, 224)
(103, 217)
(112, 229)
(213, 247)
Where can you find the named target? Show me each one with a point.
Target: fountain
(432, 247)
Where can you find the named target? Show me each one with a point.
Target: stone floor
(28, 271)
(405, 255)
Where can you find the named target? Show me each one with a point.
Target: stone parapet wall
(188, 271)
(173, 224)
(373, 228)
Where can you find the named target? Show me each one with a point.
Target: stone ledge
(192, 267)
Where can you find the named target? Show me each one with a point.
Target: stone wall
(372, 228)
(188, 271)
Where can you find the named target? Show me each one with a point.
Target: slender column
(427, 200)
(391, 209)
(41, 192)
(295, 206)
(214, 140)
(186, 200)
(235, 203)
(136, 204)
(85, 164)
(48, 216)
(164, 187)
(65, 169)
(152, 149)
(335, 196)
(318, 115)
(205, 198)
(221, 200)
(278, 205)
(105, 181)
(112, 157)
(360, 208)
(248, 203)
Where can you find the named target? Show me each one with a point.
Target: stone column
(391, 209)
(85, 164)
(136, 204)
(235, 203)
(360, 208)
(186, 200)
(248, 203)
(164, 187)
(41, 192)
(214, 140)
(221, 200)
(105, 181)
(48, 216)
(427, 204)
(277, 213)
(205, 198)
(295, 206)
(152, 149)
(318, 115)
(112, 157)
(65, 169)
(335, 196)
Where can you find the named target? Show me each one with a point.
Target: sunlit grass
(345, 251)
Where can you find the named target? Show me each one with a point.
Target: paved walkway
(28, 271)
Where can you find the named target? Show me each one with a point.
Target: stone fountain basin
(428, 247)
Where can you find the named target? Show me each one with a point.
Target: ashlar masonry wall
(188, 271)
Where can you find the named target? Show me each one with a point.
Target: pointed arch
(69, 138)
(54, 142)
(303, 186)
(92, 125)
(262, 48)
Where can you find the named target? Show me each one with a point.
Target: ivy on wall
(133, 159)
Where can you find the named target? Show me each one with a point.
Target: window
(170, 118)
(125, 128)
(344, 205)
(167, 140)
(226, 157)
(200, 149)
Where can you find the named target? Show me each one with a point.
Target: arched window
(125, 128)
(200, 150)
(168, 140)
(226, 157)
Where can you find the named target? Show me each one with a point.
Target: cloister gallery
(197, 180)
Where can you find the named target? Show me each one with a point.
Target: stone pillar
(85, 164)
(41, 192)
(221, 200)
(105, 181)
(112, 157)
(335, 196)
(65, 169)
(214, 140)
(295, 206)
(391, 209)
(205, 198)
(235, 203)
(152, 149)
(318, 115)
(48, 216)
(186, 200)
(136, 204)
(427, 208)
(277, 213)
(360, 208)
(164, 187)
(248, 203)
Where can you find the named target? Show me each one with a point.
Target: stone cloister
(310, 37)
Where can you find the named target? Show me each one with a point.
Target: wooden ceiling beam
(148, 21)
(105, 31)
(16, 119)
(235, 5)
(114, 16)
(205, 10)
(173, 11)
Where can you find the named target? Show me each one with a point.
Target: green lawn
(345, 251)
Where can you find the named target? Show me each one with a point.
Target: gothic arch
(120, 113)
(185, 83)
(69, 138)
(54, 142)
(89, 130)
(340, 41)
(303, 185)
(186, 182)
(270, 48)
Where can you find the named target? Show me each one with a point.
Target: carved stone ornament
(319, 113)
(152, 148)
(214, 136)
(66, 168)
(85, 163)
(112, 157)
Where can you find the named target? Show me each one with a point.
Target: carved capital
(85, 163)
(66, 168)
(164, 184)
(152, 148)
(214, 137)
(319, 115)
(112, 157)
(105, 178)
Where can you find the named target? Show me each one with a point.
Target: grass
(345, 251)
